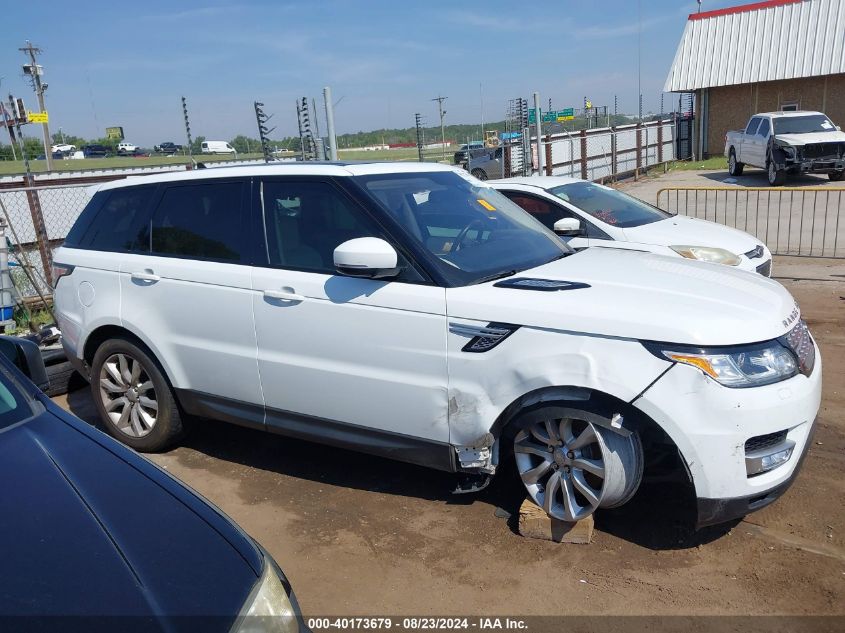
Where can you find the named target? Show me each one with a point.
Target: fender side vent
(543, 285)
(483, 338)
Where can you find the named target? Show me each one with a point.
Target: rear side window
(202, 221)
(113, 220)
(764, 128)
(752, 125)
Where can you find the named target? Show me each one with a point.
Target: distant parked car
(475, 148)
(90, 529)
(63, 148)
(167, 148)
(124, 148)
(96, 151)
(585, 214)
(217, 147)
(487, 165)
(787, 143)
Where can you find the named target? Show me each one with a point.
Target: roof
(544, 182)
(307, 168)
(785, 114)
(764, 41)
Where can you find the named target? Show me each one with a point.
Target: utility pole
(420, 140)
(440, 101)
(327, 98)
(263, 131)
(34, 71)
(538, 122)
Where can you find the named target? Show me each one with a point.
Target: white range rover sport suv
(410, 311)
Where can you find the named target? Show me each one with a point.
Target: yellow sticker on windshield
(486, 204)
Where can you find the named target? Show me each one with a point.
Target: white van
(410, 311)
(217, 147)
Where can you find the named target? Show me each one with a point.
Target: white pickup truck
(787, 143)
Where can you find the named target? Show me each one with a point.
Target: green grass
(10, 167)
(717, 162)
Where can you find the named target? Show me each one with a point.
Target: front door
(358, 362)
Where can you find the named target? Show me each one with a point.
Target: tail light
(59, 271)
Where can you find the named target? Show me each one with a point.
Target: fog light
(757, 463)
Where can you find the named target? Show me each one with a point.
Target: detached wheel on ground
(734, 168)
(63, 379)
(571, 466)
(776, 176)
(836, 176)
(480, 174)
(134, 399)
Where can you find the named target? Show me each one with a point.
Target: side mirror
(369, 257)
(26, 356)
(569, 227)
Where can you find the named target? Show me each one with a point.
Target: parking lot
(362, 535)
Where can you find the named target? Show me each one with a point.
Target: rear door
(186, 291)
(357, 362)
(748, 151)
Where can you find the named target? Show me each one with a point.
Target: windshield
(472, 231)
(803, 124)
(13, 406)
(609, 205)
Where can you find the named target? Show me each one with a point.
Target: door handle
(147, 275)
(283, 295)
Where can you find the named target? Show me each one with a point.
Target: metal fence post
(548, 154)
(584, 154)
(660, 142)
(613, 158)
(639, 150)
(506, 162)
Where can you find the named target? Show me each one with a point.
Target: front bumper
(710, 424)
(714, 511)
(820, 165)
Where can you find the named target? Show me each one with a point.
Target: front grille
(823, 150)
(798, 339)
(761, 442)
(765, 268)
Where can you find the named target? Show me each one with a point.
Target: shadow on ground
(757, 178)
(659, 517)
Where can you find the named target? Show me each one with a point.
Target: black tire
(63, 379)
(480, 174)
(836, 176)
(168, 425)
(775, 176)
(734, 167)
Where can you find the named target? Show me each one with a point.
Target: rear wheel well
(103, 334)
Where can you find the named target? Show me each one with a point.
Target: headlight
(750, 366)
(268, 608)
(707, 254)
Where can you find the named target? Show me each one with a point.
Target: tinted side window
(203, 221)
(752, 125)
(306, 221)
(764, 128)
(118, 225)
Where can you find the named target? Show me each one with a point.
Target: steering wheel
(459, 240)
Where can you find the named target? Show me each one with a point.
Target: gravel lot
(359, 535)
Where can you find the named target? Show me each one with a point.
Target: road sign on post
(38, 117)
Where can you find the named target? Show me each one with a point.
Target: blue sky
(116, 63)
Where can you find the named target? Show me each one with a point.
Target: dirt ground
(359, 535)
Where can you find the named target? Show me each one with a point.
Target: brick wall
(731, 106)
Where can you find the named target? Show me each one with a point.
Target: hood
(639, 296)
(86, 532)
(812, 137)
(682, 230)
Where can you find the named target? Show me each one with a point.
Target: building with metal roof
(765, 56)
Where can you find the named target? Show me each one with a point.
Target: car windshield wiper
(493, 277)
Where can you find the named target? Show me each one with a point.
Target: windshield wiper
(495, 276)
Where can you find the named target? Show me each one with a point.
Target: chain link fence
(60, 206)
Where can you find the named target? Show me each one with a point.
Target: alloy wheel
(562, 464)
(128, 395)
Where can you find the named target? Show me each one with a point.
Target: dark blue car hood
(89, 528)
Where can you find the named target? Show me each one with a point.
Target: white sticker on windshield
(826, 125)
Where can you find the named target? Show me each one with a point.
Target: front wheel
(480, 174)
(134, 399)
(571, 466)
(776, 176)
(836, 176)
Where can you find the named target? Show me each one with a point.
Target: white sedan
(588, 214)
